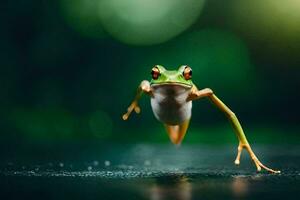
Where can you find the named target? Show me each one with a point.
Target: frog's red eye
(187, 73)
(155, 73)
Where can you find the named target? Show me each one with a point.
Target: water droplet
(89, 168)
(147, 162)
(61, 164)
(107, 163)
(96, 163)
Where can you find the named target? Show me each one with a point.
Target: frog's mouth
(171, 84)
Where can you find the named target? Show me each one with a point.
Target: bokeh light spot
(83, 16)
(145, 22)
(275, 23)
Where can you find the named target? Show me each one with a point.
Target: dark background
(67, 73)
(70, 68)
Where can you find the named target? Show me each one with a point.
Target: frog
(171, 95)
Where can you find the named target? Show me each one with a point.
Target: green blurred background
(69, 68)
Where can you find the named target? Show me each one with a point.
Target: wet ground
(146, 171)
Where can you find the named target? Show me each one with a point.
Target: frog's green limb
(243, 143)
(197, 94)
(177, 132)
(144, 87)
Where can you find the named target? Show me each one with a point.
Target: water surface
(145, 171)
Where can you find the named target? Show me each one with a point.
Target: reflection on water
(171, 187)
(239, 186)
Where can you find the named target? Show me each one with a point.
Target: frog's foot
(258, 164)
(177, 132)
(133, 106)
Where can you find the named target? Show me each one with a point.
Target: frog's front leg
(243, 143)
(144, 87)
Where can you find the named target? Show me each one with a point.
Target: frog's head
(182, 76)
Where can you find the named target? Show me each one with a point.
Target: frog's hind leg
(177, 132)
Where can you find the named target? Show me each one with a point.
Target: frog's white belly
(169, 103)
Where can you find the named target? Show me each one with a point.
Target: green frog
(172, 93)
